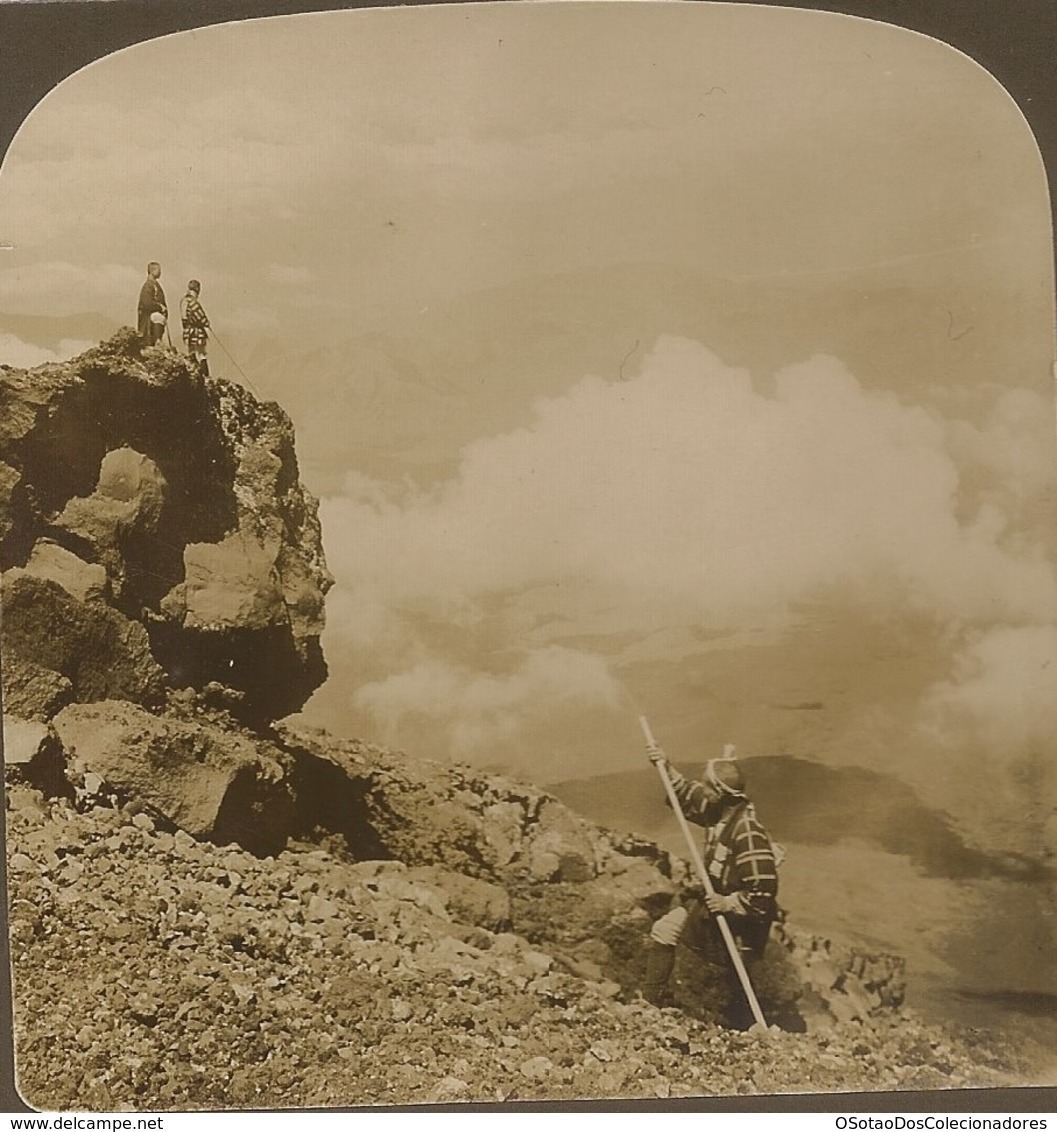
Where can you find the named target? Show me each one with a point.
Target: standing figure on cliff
(195, 326)
(152, 311)
(740, 860)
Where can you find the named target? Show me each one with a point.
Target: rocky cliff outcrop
(162, 519)
(209, 906)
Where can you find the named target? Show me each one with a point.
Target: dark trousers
(690, 926)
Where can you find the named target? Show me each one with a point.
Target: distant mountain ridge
(809, 803)
(869, 860)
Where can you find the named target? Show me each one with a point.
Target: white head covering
(724, 775)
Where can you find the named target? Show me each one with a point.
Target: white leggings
(669, 927)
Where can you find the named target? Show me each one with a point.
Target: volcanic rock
(118, 519)
(206, 781)
(83, 581)
(56, 647)
(559, 846)
(186, 495)
(9, 481)
(23, 739)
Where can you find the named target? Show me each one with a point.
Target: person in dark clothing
(739, 858)
(195, 327)
(152, 311)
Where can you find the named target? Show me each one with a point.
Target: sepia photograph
(528, 565)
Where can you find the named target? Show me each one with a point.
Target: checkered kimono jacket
(195, 323)
(739, 858)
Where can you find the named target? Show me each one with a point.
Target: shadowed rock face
(162, 520)
(57, 648)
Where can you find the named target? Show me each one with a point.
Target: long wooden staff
(702, 872)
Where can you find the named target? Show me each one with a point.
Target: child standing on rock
(195, 326)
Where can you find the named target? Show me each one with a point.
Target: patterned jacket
(738, 855)
(194, 321)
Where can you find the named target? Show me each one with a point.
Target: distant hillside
(869, 861)
(810, 804)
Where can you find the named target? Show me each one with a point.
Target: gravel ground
(155, 972)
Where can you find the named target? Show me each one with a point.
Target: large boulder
(9, 481)
(231, 584)
(561, 846)
(84, 581)
(30, 689)
(469, 900)
(211, 782)
(23, 740)
(125, 507)
(56, 648)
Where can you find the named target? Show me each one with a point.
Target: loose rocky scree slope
(210, 909)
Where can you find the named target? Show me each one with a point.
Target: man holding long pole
(739, 879)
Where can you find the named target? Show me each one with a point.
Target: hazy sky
(348, 168)
(697, 352)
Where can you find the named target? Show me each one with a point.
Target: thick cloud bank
(996, 716)
(479, 710)
(691, 497)
(1001, 692)
(25, 355)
